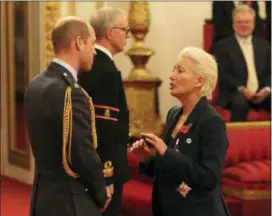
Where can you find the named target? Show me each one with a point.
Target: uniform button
(86, 189)
(65, 74)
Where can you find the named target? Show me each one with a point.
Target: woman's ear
(200, 81)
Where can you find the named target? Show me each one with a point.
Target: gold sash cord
(67, 129)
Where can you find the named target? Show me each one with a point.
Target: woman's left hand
(156, 142)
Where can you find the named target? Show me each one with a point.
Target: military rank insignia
(106, 112)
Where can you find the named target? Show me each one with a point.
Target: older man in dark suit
(244, 67)
(222, 18)
(68, 172)
(104, 84)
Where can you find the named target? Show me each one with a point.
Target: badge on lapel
(185, 129)
(189, 140)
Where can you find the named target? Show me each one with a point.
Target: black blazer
(232, 66)
(54, 192)
(104, 84)
(222, 19)
(198, 162)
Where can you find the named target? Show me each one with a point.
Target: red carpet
(15, 198)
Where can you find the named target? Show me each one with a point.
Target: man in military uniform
(104, 85)
(60, 120)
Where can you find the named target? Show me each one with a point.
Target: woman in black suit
(187, 164)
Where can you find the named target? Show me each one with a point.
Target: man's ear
(108, 33)
(79, 43)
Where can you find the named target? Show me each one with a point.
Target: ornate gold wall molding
(72, 8)
(51, 14)
(100, 4)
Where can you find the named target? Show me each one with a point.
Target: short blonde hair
(243, 9)
(205, 65)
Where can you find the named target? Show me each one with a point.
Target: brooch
(183, 189)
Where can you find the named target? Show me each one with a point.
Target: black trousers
(240, 106)
(115, 205)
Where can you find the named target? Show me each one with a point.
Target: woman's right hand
(141, 150)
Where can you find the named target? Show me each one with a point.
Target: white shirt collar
(104, 50)
(67, 66)
(237, 2)
(244, 40)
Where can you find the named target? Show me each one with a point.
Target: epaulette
(67, 129)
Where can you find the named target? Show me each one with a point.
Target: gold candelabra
(139, 22)
(141, 87)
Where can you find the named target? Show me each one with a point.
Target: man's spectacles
(125, 29)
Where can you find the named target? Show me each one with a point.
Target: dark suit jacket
(232, 66)
(54, 192)
(104, 84)
(222, 19)
(198, 162)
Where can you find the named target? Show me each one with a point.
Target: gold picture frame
(17, 155)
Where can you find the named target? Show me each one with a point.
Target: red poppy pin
(185, 128)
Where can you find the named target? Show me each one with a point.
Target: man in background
(244, 62)
(68, 171)
(222, 18)
(104, 84)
